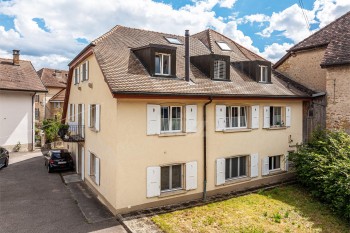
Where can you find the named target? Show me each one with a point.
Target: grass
(284, 209)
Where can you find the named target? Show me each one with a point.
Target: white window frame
(92, 123)
(161, 56)
(170, 178)
(84, 71)
(77, 75)
(170, 120)
(72, 112)
(223, 46)
(57, 104)
(272, 120)
(273, 163)
(263, 77)
(238, 166)
(229, 120)
(217, 73)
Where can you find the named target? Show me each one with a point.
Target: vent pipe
(15, 57)
(187, 55)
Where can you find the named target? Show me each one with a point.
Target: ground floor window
(57, 105)
(274, 162)
(236, 167)
(37, 113)
(92, 164)
(171, 177)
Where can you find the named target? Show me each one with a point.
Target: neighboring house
(19, 83)
(321, 62)
(49, 105)
(151, 124)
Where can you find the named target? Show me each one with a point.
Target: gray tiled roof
(124, 73)
(53, 78)
(20, 77)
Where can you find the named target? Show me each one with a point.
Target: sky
(51, 33)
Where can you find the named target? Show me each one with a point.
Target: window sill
(236, 130)
(93, 130)
(277, 128)
(222, 80)
(275, 172)
(237, 180)
(172, 193)
(171, 134)
(93, 179)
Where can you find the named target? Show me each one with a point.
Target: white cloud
(275, 51)
(227, 3)
(328, 10)
(256, 18)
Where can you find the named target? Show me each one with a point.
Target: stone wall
(338, 98)
(304, 67)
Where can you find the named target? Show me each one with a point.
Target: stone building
(321, 62)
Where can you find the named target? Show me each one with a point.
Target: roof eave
(23, 90)
(335, 64)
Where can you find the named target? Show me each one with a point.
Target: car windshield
(59, 155)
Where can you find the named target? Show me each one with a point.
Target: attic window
(223, 46)
(219, 69)
(172, 40)
(263, 74)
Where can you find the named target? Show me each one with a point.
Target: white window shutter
(75, 76)
(82, 163)
(68, 114)
(89, 116)
(98, 117)
(265, 166)
(220, 171)
(153, 119)
(78, 76)
(255, 117)
(81, 72)
(220, 117)
(267, 117)
(97, 171)
(153, 181)
(286, 159)
(254, 165)
(82, 120)
(87, 70)
(73, 112)
(88, 163)
(191, 175)
(288, 116)
(191, 118)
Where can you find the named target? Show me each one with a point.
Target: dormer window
(264, 74)
(220, 69)
(223, 46)
(162, 64)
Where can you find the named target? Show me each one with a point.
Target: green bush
(50, 128)
(323, 165)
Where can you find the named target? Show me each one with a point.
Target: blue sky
(51, 33)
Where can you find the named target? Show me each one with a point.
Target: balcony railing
(74, 133)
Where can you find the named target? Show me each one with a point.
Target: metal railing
(75, 133)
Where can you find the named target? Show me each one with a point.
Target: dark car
(59, 159)
(4, 157)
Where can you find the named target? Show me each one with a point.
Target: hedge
(323, 166)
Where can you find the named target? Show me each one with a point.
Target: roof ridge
(210, 40)
(321, 29)
(106, 34)
(11, 59)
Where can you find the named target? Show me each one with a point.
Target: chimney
(15, 57)
(187, 55)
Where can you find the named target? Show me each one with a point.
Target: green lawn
(284, 209)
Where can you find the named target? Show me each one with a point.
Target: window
(171, 178)
(93, 116)
(274, 162)
(37, 113)
(162, 64)
(171, 119)
(172, 40)
(224, 46)
(76, 75)
(219, 69)
(92, 164)
(57, 105)
(94, 169)
(37, 98)
(236, 117)
(263, 73)
(71, 112)
(84, 70)
(236, 167)
(276, 116)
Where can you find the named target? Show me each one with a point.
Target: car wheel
(49, 170)
(6, 162)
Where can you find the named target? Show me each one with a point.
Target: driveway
(32, 200)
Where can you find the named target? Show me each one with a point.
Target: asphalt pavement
(32, 200)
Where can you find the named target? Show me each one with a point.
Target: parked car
(4, 157)
(59, 159)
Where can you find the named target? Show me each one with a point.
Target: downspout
(205, 147)
(33, 119)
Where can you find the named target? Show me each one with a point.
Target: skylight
(223, 46)
(172, 40)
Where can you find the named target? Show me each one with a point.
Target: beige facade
(125, 151)
(304, 67)
(47, 109)
(338, 98)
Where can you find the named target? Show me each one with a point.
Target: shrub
(323, 165)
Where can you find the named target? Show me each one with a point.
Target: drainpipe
(33, 119)
(187, 55)
(205, 147)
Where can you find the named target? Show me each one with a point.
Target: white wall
(16, 118)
